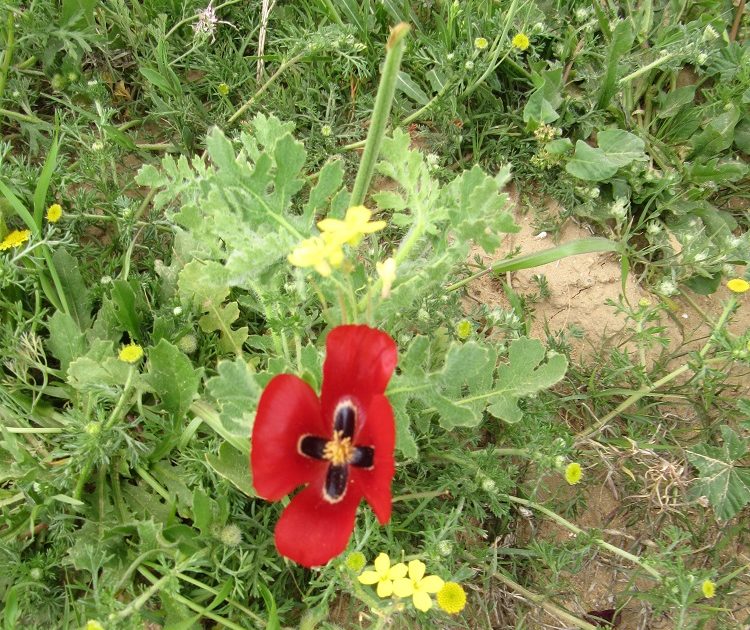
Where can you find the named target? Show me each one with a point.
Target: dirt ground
(580, 287)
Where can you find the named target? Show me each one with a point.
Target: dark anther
(313, 446)
(336, 479)
(364, 456)
(346, 416)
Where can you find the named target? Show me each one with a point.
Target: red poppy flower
(339, 446)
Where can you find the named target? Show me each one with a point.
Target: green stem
(10, 43)
(117, 411)
(412, 496)
(577, 531)
(647, 68)
(190, 580)
(157, 584)
(541, 601)
(383, 102)
(271, 80)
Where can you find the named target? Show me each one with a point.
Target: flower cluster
(402, 581)
(325, 252)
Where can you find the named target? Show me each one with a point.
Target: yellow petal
(416, 570)
(431, 584)
(397, 571)
(385, 588)
(422, 601)
(382, 564)
(330, 225)
(368, 577)
(373, 226)
(358, 214)
(403, 587)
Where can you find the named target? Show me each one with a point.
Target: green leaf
(124, 300)
(221, 318)
(619, 46)
(722, 480)
(173, 377)
(716, 171)
(671, 103)
(541, 107)
(98, 369)
(405, 84)
(202, 282)
(43, 181)
(233, 466)
(74, 287)
(66, 341)
(590, 164)
(203, 512)
(237, 392)
(524, 375)
(621, 147)
(717, 135)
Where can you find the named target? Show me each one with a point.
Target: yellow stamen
(339, 450)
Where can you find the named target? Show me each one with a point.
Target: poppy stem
(381, 111)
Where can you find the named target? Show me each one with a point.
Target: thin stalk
(577, 531)
(541, 601)
(412, 496)
(10, 44)
(383, 102)
(647, 68)
(157, 584)
(272, 79)
(190, 580)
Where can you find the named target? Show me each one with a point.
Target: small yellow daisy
(709, 589)
(573, 473)
(131, 353)
(480, 43)
(520, 41)
(54, 213)
(451, 598)
(15, 239)
(222, 89)
(738, 285)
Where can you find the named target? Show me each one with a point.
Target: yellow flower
(355, 225)
(480, 43)
(54, 212)
(131, 353)
(15, 238)
(93, 624)
(708, 588)
(573, 473)
(318, 252)
(738, 285)
(387, 273)
(463, 329)
(222, 89)
(451, 598)
(520, 41)
(418, 586)
(384, 575)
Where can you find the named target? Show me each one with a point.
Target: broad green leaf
(717, 135)
(236, 391)
(203, 512)
(98, 369)
(673, 101)
(524, 375)
(172, 377)
(329, 182)
(716, 171)
(742, 136)
(124, 301)
(722, 480)
(590, 164)
(74, 287)
(619, 46)
(233, 466)
(66, 341)
(220, 318)
(172, 478)
(621, 147)
(202, 282)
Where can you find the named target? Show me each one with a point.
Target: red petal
(288, 409)
(377, 430)
(359, 363)
(311, 531)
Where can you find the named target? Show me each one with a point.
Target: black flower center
(338, 451)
